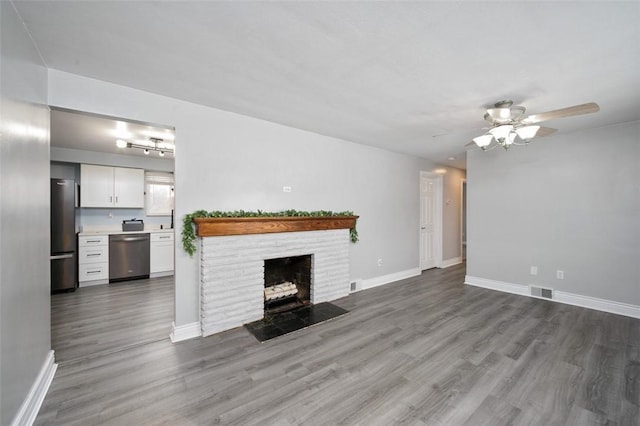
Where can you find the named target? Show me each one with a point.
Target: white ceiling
(92, 132)
(410, 77)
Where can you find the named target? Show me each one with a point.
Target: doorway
(99, 318)
(430, 220)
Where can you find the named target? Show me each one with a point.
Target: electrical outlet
(286, 189)
(379, 262)
(560, 275)
(110, 215)
(534, 270)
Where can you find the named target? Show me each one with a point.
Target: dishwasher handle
(129, 238)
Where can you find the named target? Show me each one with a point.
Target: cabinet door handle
(116, 199)
(111, 198)
(93, 241)
(164, 238)
(93, 254)
(93, 272)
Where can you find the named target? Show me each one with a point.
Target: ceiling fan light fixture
(483, 141)
(501, 132)
(509, 126)
(527, 133)
(508, 140)
(500, 115)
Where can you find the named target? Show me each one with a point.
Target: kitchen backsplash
(111, 219)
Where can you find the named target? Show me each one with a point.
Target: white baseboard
(497, 285)
(597, 304)
(451, 262)
(386, 279)
(83, 284)
(161, 274)
(185, 332)
(560, 297)
(29, 409)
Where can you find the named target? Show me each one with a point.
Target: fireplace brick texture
(232, 272)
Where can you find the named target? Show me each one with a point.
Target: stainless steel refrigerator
(64, 276)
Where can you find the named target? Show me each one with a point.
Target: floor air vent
(547, 293)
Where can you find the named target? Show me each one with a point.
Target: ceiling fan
(509, 125)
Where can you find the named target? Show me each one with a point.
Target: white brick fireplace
(232, 272)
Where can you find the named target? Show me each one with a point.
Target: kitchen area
(112, 233)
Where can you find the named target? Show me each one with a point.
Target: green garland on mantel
(189, 234)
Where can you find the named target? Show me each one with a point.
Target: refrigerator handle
(61, 256)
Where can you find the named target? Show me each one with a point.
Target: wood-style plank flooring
(424, 351)
(100, 319)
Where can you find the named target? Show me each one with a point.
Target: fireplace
(287, 283)
(232, 273)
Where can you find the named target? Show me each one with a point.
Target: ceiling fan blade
(561, 113)
(545, 131)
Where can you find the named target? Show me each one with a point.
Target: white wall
(226, 161)
(569, 202)
(24, 216)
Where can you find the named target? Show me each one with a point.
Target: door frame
(463, 217)
(439, 205)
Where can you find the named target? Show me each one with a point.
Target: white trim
(597, 304)
(91, 283)
(603, 305)
(497, 285)
(185, 332)
(386, 279)
(161, 274)
(31, 405)
(463, 215)
(451, 262)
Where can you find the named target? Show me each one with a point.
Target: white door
(428, 222)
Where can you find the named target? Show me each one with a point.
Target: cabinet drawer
(94, 240)
(93, 271)
(93, 254)
(161, 237)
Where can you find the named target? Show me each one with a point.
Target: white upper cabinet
(103, 186)
(128, 187)
(96, 186)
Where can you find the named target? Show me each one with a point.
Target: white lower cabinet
(93, 259)
(93, 272)
(161, 255)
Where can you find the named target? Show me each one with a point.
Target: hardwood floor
(96, 320)
(424, 351)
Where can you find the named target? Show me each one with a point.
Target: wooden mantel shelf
(218, 226)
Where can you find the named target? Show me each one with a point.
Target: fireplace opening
(287, 283)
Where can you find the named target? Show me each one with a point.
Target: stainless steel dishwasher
(128, 257)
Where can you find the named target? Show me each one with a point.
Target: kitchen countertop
(115, 232)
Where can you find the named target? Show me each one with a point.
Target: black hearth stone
(275, 325)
